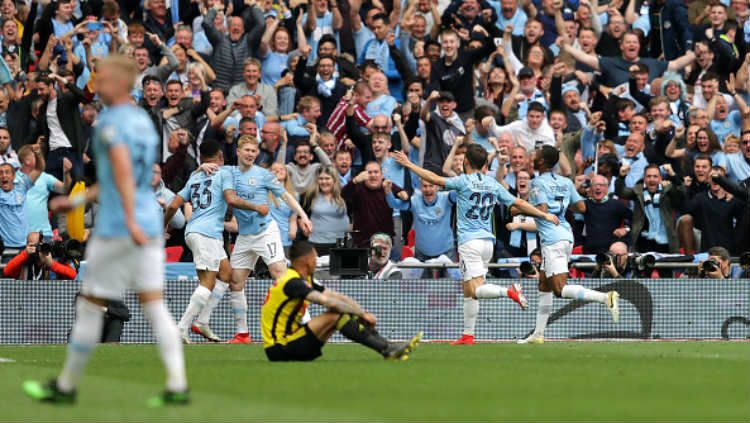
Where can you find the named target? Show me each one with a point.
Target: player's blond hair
(125, 67)
(247, 139)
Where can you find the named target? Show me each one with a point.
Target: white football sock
(471, 311)
(216, 296)
(578, 292)
(489, 290)
(197, 301)
(86, 333)
(239, 310)
(170, 345)
(544, 309)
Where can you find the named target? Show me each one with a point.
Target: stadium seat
(407, 251)
(174, 253)
(411, 238)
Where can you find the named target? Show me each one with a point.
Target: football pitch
(557, 381)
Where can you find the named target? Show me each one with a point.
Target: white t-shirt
(57, 138)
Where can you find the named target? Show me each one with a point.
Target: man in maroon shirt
(365, 200)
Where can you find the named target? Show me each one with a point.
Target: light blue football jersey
(557, 192)
(253, 185)
(206, 194)
(476, 197)
(126, 125)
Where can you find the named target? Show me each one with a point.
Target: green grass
(685, 381)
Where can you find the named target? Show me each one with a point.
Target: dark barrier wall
(42, 311)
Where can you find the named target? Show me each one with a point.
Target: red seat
(174, 253)
(406, 251)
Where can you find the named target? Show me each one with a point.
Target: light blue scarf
(657, 231)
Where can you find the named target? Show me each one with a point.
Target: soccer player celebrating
(476, 197)
(286, 338)
(554, 194)
(209, 195)
(126, 250)
(259, 234)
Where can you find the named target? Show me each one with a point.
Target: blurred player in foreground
(285, 338)
(554, 194)
(127, 249)
(476, 197)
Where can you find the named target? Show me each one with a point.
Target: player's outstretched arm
(578, 207)
(425, 174)
(293, 204)
(526, 208)
(233, 200)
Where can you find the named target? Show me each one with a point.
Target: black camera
(643, 262)
(604, 258)
(69, 249)
(710, 266)
(528, 268)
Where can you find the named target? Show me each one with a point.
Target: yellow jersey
(283, 308)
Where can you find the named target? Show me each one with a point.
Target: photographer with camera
(613, 263)
(717, 266)
(530, 269)
(35, 262)
(379, 263)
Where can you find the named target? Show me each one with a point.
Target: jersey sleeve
(50, 181)
(574, 195)
(108, 134)
(297, 288)
(185, 191)
(504, 197)
(537, 195)
(455, 183)
(227, 179)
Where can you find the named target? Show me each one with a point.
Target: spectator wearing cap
(531, 132)
(531, 94)
(230, 50)
(442, 127)
(266, 94)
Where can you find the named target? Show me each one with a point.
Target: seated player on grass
(286, 339)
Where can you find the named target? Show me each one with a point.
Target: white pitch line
(6, 360)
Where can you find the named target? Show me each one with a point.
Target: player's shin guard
(197, 301)
(239, 310)
(489, 290)
(86, 333)
(543, 311)
(353, 329)
(220, 288)
(471, 311)
(578, 292)
(170, 346)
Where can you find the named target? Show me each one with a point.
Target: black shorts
(306, 348)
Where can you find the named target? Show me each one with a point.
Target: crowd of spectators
(647, 101)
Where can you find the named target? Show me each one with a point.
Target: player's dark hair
(476, 155)
(705, 157)
(381, 16)
(550, 156)
(300, 249)
(209, 148)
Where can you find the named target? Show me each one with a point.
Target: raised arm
(681, 62)
(425, 174)
(265, 41)
(338, 20)
(587, 59)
